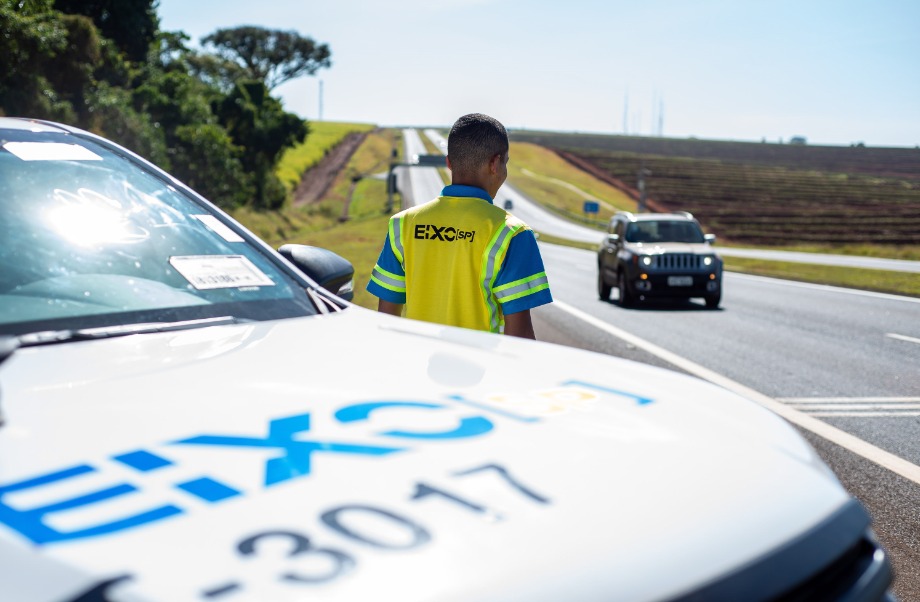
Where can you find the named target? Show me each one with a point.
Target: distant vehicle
(658, 255)
(187, 414)
(509, 205)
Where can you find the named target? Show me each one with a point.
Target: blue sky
(834, 71)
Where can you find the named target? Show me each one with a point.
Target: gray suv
(658, 255)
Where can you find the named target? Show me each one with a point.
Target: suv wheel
(712, 301)
(626, 298)
(603, 289)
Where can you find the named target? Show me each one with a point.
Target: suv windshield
(664, 231)
(91, 238)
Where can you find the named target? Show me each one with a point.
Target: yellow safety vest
(451, 250)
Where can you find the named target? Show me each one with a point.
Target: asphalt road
(839, 357)
(417, 184)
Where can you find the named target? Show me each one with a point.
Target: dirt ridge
(317, 180)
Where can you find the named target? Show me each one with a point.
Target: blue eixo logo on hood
(291, 439)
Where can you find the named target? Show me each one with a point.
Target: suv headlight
(708, 260)
(645, 260)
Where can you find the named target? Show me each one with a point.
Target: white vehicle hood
(357, 456)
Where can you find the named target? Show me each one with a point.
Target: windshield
(664, 231)
(93, 239)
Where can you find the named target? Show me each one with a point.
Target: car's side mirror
(710, 238)
(329, 270)
(613, 239)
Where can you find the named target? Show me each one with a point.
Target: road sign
(592, 206)
(431, 160)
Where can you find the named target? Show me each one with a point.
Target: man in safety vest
(459, 259)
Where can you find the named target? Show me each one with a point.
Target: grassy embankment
(324, 136)
(358, 239)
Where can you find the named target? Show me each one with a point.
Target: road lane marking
(849, 399)
(854, 407)
(869, 407)
(879, 456)
(902, 337)
(843, 414)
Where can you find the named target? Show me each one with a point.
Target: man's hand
(519, 325)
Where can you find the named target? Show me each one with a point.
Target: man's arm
(388, 307)
(519, 325)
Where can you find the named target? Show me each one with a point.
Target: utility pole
(320, 100)
(660, 117)
(626, 113)
(640, 208)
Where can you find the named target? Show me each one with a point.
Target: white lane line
(885, 459)
(843, 414)
(849, 399)
(872, 407)
(854, 407)
(902, 337)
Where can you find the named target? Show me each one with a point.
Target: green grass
(323, 137)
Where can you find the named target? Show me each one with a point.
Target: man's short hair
(474, 139)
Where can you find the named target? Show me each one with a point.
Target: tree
(102, 65)
(131, 24)
(46, 61)
(269, 56)
(256, 122)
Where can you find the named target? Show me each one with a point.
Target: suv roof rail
(686, 214)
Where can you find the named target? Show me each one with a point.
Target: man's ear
(493, 163)
(449, 166)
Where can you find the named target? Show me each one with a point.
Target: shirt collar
(465, 190)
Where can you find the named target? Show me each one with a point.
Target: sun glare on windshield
(87, 218)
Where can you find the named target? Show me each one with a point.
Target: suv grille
(676, 261)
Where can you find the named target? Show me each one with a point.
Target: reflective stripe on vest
(490, 267)
(396, 242)
(520, 288)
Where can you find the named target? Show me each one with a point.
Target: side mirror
(710, 238)
(327, 269)
(613, 239)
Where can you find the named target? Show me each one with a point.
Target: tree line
(207, 116)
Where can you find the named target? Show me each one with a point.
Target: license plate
(680, 280)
